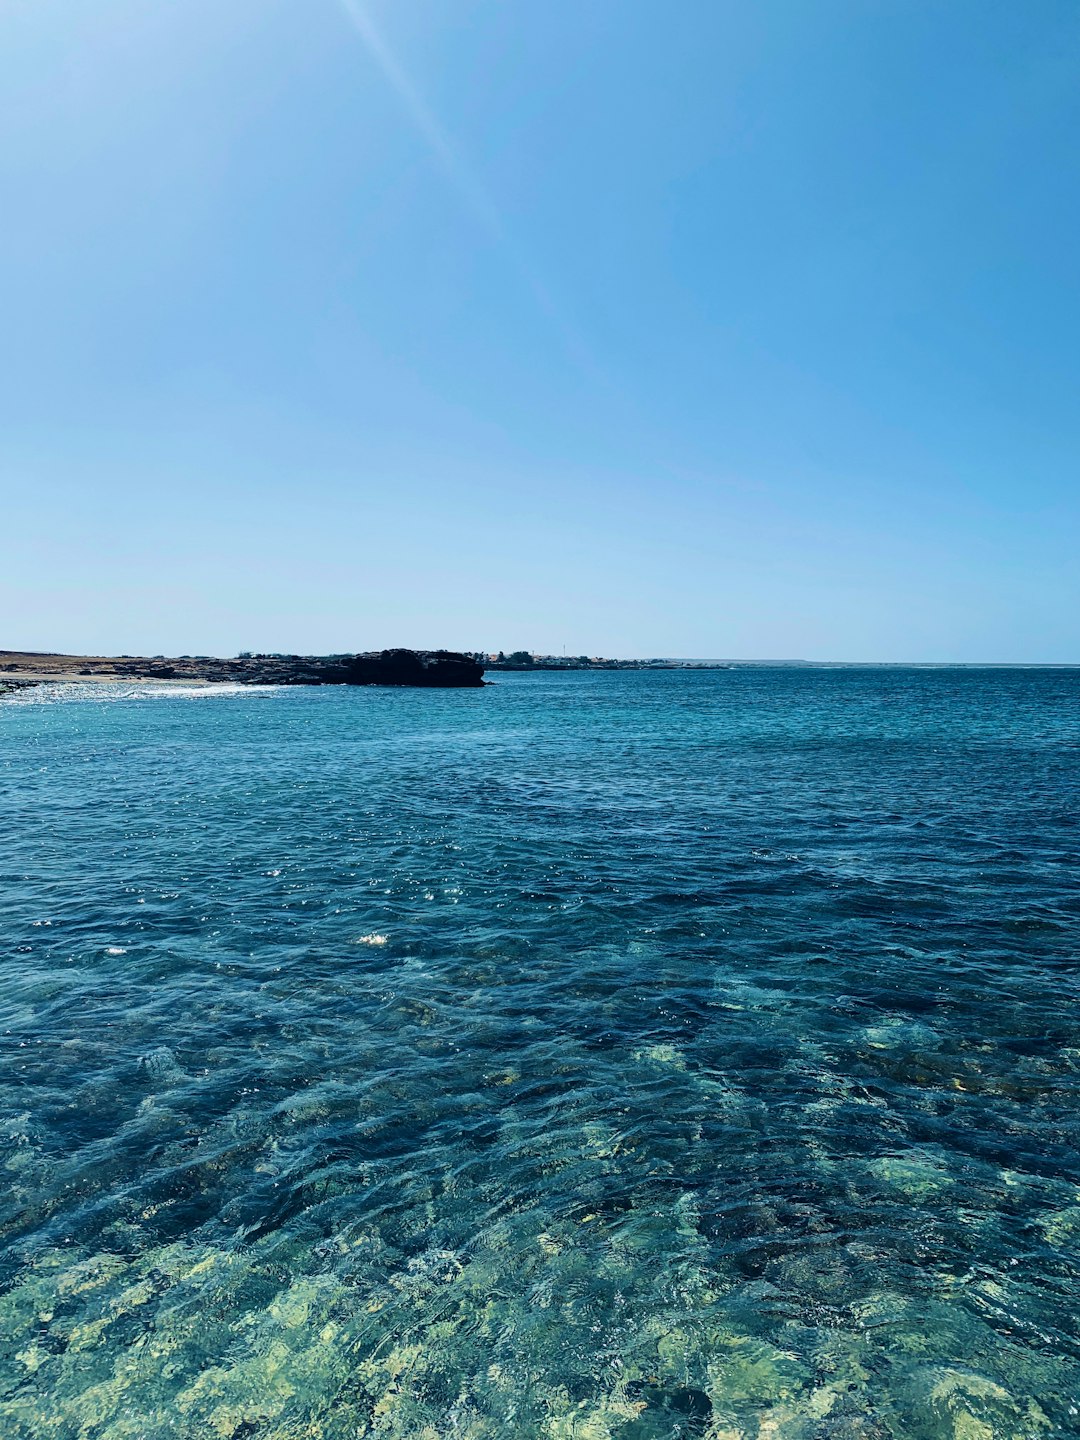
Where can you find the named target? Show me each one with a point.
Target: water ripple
(606, 1056)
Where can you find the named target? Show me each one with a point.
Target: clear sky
(708, 328)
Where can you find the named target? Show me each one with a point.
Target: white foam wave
(49, 693)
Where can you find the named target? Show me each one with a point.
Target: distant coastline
(526, 660)
(431, 669)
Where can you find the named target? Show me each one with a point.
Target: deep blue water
(609, 1056)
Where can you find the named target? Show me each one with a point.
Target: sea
(590, 1056)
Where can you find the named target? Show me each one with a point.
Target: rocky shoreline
(431, 669)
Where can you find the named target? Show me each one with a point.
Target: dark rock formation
(441, 669)
(431, 668)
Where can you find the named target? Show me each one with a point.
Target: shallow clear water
(613, 1056)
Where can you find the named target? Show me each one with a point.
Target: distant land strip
(440, 669)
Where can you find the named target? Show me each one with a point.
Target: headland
(432, 669)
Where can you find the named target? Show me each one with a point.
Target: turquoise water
(609, 1056)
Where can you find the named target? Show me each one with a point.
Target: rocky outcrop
(433, 669)
(442, 668)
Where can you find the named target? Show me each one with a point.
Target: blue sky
(716, 329)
